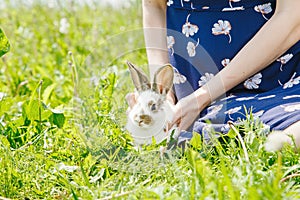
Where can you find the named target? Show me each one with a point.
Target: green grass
(63, 114)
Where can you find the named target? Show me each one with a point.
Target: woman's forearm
(154, 23)
(273, 39)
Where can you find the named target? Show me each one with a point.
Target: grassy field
(62, 116)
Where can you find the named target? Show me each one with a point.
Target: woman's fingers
(177, 116)
(173, 124)
(185, 113)
(184, 124)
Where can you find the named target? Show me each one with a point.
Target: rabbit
(151, 113)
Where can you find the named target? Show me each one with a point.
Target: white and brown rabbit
(148, 118)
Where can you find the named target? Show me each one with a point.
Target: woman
(248, 50)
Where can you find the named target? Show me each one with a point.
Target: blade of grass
(230, 123)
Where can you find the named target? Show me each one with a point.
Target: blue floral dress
(204, 35)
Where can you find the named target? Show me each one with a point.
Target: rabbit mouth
(143, 120)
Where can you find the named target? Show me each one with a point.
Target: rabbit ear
(140, 80)
(163, 79)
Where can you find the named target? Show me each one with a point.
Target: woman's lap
(277, 109)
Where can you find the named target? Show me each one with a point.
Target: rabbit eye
(153, 107)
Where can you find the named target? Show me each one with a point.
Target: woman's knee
(277, 139)
(294, 131)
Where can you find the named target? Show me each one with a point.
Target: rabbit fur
(151, 113)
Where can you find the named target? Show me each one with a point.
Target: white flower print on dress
(189, 29)
(184, 1)
(264, 9)
(245, 98)
(258, 114)
(229, 97)
(232, 111)
(170, 43)
(205, 78)
(231, 8)
(225, 62)
(178, 78)
(293, 81)
(291, 108)
(284, 59)
(233, 1)
(212, 112)
(170, 2)
(253, 82)
(191, 48)
(192, 6)
(222, 27)
(291, 96)
(267, 97)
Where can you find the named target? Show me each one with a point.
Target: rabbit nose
(144, 119)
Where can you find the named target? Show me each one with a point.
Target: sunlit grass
(63, 114)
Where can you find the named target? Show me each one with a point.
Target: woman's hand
(187, 110)
(185, 113)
